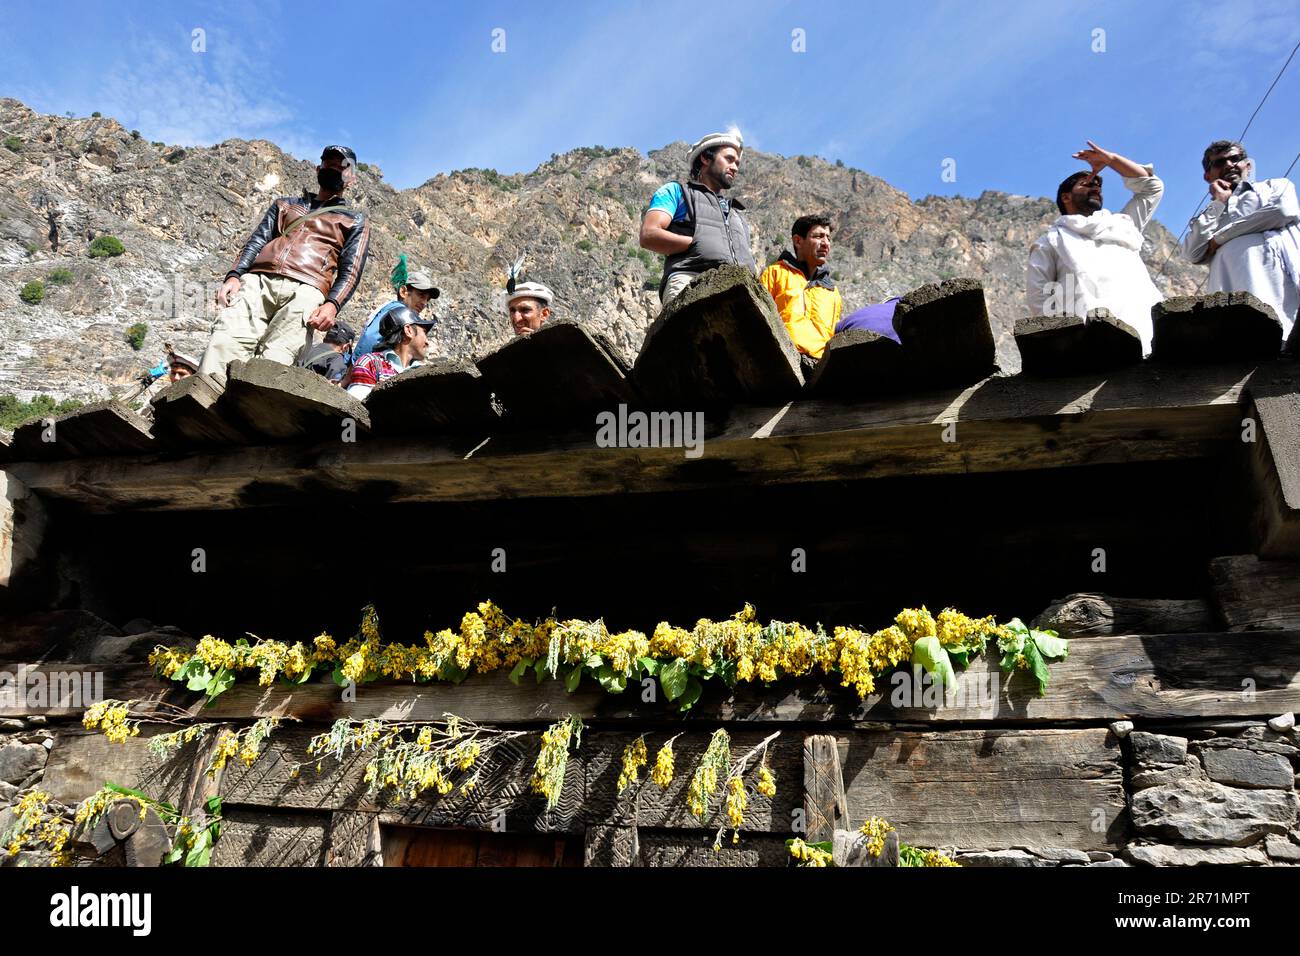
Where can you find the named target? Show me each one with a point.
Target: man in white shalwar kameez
(1091, 258)
(1249, 233)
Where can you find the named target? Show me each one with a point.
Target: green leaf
(651, 665)
(728, 673)
(694, 688)
(306, 675)
(573, 678)
(517, 674)
(594, 662)
(175, 854)
(960, 658)
(673, 677)
(200, 678)
(242, 642)
(1038, 666)
(539, 668)
(338, 677)
(213, 806)
(929, 653)
(614, 682)
(191, 667)
(221, 682)
(1049, 645)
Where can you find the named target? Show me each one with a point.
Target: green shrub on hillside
(105, 246)
(135, 334)
(59, 276)
(13, 144)
(15, 412)
(33, 292)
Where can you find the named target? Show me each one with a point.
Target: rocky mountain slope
(183, 213)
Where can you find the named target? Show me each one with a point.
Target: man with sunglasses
(1249, 234)
(295, 273)
(1091, 258)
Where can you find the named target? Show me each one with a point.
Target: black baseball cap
(340, 333)
(349, 157)
(398, 318)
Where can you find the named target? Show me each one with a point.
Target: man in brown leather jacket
(297, 270)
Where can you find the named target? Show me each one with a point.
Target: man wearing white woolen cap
(529, 306)
(692, 223)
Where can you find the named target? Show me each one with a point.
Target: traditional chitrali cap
(180, 358)
(531, 290)
(714, 140)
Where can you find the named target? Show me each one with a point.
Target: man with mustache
(1091, 258)
(693, 224)
(297, 270)
(1249, 234)
(800, 283)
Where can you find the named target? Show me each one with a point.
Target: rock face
(183, 213)
(1200, 812)
(19, 761)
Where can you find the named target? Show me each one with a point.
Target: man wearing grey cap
(529, 305)
(295, 273)
(415, 290)
(692, 224)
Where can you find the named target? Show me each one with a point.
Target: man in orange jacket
(801, 284)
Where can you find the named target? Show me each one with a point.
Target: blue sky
(1006, 89)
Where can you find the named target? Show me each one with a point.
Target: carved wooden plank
(354, 839)
(613, 846)
(824, 803)
(1273, 405)
(558, 374)
(1145, 413)
(1091, 615)
(1255, 595)
(646, 805)
(991, 788)
(258, 838)
(500, 800)
(945, 331)
(189, 414)
(103, 428)
(1104, 678)
(717, 342)
(445, 395)
(859, 364)
(283, 403)
(1220, 327)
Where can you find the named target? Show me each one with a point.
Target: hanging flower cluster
(739, 649)
(413, 757)
(553, 759)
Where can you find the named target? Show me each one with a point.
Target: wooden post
(825, 806)
(22, 525)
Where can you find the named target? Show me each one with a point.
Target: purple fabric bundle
(878, 318)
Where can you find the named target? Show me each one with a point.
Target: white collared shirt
(1258, 236)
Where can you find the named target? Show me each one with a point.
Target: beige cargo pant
(676, 283)
(267, 319)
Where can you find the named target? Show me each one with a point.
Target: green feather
(398, 275)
